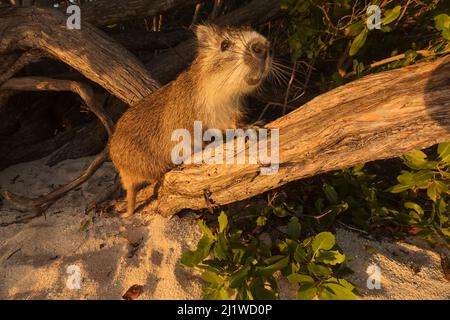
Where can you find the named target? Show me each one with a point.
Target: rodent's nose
(259, 50)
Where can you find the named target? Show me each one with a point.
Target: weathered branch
(381, 116)
(15, 62)
(46, 84)
(87, 95)
(89, 51)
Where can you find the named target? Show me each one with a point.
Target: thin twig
(291, 80)
(423, 53)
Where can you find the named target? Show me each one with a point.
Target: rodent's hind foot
(126, 214)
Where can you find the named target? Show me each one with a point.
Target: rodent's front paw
(256, 125)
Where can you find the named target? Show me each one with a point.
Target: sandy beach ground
(38, 258)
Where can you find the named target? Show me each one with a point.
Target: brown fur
(141, 144)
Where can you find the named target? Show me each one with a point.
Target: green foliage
(337, 32)
(418, 204)
(237, 265)
(442, 23)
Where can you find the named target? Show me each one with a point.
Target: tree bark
(88, 50)
(381, 116)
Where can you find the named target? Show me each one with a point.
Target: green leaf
(283, 246)
(221, 248)
(269, 270)
(333, 257)
(324, 240)
(354, 29)
(319, 271)
(436, 189)
(319, 204)
(212, 277)
(442, 22)
(294, 228)
(238, 254)
(205, 229)
(391, 15)
(446, 34)
(330, 193)
(444, 151)
(273, 259)
(213, 293)
(306, 292)
(343, 283)
(261, 221)
(334, 291)
(399, 188)
(261, 293)
(414, 206)
(280, 212)
(223, 221)
(299, 278)
(193, 258)
(418, 160)
(409, 180)
(300, 254)
(238, 278)
(358, 42)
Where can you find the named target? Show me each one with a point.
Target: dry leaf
(133, 293)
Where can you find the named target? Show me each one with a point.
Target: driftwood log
(381, 116)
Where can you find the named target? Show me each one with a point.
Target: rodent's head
(237, 59)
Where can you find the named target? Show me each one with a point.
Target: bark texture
(88, 50)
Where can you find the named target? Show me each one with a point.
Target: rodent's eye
(225, 45)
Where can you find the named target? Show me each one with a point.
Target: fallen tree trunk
(381, 116)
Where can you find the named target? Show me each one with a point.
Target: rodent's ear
(204, 32)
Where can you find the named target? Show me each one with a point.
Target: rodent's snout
(260, 49)
(258, 59)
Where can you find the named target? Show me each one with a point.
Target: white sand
(34, 257)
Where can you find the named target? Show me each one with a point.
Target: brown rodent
(230, 63)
